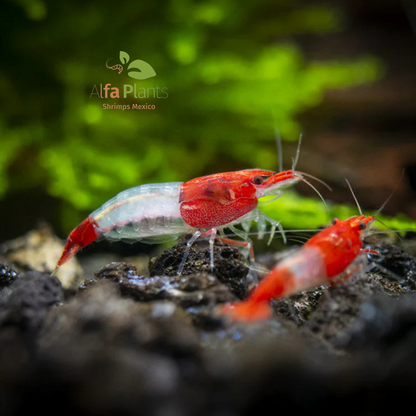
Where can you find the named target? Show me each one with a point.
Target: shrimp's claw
(247, 311)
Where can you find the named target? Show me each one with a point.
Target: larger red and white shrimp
(206, 205)
(164, 211)
(326, 258)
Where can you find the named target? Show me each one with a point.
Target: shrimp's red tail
(247, 311)
(83, 235)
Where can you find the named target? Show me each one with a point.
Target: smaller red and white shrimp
(328, 257)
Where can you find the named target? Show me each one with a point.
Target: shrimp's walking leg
(275, 224)
(367, 250)
(246, 243)
(188, 247)
(359, 264)
(252, 277)
(213, 233)
(260, 218)
(273, 230)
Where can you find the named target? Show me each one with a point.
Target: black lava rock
(101, 354)
(199, 293)
(28, 300)
(127, 344)
(229, 264)
(398, 267)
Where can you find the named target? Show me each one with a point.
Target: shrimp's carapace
(215, 200)
(323, 259)
(340, 243)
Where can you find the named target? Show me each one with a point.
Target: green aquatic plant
(298, 212)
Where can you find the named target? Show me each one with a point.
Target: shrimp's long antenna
(314, 177)
(279, 148)
(355, 198)
(381, 222)
(388, 199)
(380, 209)
(272, 200)
(56, 269)
(308, 183)
(384, 231)
(295, 160)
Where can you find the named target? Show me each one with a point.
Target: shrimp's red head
(272, 184)
(356, 224)
(340, 243)
(219, 199)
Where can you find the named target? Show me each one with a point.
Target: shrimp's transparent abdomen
(148, 213)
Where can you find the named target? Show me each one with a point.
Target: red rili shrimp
(203, 206)
(164, 211)
(328, 257)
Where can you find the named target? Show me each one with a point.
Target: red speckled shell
(218, 199)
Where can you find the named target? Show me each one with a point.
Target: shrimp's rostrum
(164, 211)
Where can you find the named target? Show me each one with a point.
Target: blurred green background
(234, 71)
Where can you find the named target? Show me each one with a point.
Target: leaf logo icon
(124, 57)
(144, 70)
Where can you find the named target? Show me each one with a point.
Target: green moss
(298, 212)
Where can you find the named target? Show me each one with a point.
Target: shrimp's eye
(362, 225)
(334, 221)
(257, 180)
